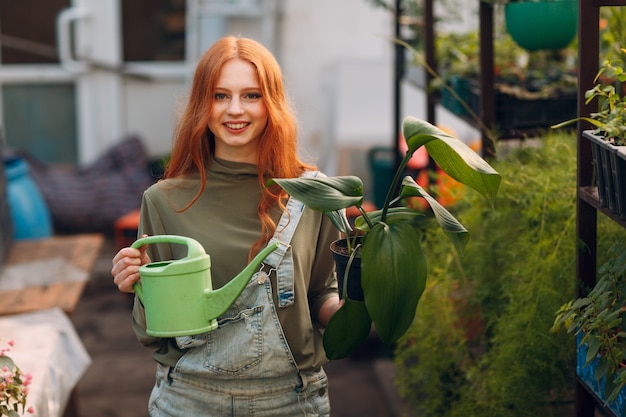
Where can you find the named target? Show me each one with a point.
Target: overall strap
(281, 259)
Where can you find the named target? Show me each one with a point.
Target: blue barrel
(29, 212)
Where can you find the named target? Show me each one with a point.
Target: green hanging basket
(537, 25)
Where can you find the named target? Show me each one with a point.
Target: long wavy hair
(277, 150)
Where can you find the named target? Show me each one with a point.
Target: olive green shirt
(225, 222)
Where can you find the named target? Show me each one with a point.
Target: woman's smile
(236, 126)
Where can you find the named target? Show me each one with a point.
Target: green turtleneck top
(225, 222)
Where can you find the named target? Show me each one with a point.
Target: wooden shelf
(606, 411)
(589, 195)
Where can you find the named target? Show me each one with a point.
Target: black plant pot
(610, 169)
(513, 113)
(342, 258)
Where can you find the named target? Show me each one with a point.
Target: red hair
(277, 150)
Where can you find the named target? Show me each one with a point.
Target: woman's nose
(235, 107)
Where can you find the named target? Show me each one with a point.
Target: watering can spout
(221, 299)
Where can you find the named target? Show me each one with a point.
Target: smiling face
(238, 113)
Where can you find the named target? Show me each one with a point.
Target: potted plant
(393, 265)
(597, 320)
(608, 137)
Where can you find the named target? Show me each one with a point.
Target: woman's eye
(220, 96)
(253, 96)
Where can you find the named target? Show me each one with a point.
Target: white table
(47, 347)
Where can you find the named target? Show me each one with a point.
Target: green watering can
(178, 295)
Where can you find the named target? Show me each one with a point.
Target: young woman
(266, 356)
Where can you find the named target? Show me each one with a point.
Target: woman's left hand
(329, 308)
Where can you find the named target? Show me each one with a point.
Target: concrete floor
(121, 376)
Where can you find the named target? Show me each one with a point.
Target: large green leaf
(347, 329)
(454, 230)
(453, 156)
(324, 193)
(393, 273)
(418, 133)
(594, 122)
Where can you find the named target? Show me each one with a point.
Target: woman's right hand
(126, 265)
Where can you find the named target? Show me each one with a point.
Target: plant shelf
(589, 195)
(586, 232)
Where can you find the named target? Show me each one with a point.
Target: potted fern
(393, 264)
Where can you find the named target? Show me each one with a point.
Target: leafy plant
(13, 387)
(610, 120)
(393, 263)
(600, 318)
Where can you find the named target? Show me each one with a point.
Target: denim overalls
(245, 367)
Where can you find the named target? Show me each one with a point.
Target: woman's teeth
(235, 125)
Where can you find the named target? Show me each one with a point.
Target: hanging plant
(540, 24)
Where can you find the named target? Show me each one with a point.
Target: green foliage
(599, 319)
(519, 266)
(434, 358)
(354, 319)
(610, 119)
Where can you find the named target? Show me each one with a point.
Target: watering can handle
(194, 249)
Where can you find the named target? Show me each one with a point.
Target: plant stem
(346, 273)
(366, 217)
(394, 185)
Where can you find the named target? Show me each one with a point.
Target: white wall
(323, 43)
(337, 58)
